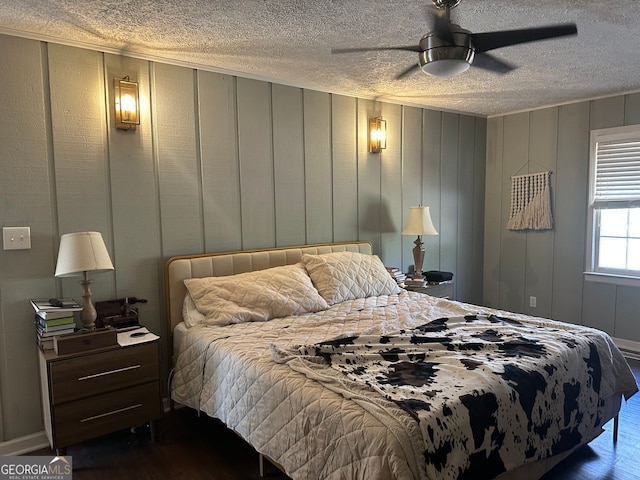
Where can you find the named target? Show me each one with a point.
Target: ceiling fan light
(446, 61)
(446, 68)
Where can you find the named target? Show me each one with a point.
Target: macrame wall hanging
(531, 202)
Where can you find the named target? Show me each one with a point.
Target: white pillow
(341, 276)
(255, 296)
(190, 313)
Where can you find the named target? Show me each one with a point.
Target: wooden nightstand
(441, 290)
(92, 393)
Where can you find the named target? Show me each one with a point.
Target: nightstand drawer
(88, 418)
(89, 375)
(443, 290)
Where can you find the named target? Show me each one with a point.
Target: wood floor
(199, 448)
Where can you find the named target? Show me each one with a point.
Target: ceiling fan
(449, 50)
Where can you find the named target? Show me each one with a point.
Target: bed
(330, 370)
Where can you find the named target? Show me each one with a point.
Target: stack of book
(412, 282)
(51, 320)
(397, 274)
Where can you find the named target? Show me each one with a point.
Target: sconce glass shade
(419, 223)
(80, 253)
(377, 134)
(127, 103)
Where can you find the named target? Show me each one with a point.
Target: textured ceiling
(290, 41)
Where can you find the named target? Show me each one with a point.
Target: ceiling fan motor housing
(446, 3)
(443, 58)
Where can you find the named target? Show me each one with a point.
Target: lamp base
(88, 314)
(418, 258)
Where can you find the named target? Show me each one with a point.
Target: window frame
(592, 271)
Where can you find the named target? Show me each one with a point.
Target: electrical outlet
(16, 238)
(532, 301)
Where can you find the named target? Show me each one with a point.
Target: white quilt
(313, 431)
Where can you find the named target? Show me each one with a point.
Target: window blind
(617, 174)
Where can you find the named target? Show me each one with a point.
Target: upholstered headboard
(178, 269)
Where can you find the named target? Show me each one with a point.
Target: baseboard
(26, 444)
(628, 348)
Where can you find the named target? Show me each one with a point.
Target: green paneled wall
(549, 264)
(218, 163)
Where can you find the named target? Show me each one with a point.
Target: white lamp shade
(419, 222)
(82, 252)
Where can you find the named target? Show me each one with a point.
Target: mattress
(305, 424)
(178, 335)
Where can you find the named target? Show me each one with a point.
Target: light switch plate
(16, 238)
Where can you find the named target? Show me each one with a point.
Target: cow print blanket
(488, 393)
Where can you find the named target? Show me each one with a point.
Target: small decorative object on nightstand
(95, 392)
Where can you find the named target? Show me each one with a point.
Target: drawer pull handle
(114, 412)
(110, 372)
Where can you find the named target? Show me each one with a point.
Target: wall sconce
(377, 134)
(127, 103)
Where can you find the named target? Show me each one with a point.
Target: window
(613, 244)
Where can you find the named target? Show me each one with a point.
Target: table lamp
(419, 223)
(79, 254)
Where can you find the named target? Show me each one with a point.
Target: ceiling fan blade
(407, 48)
(408, 71)
(483, 42)
(487, 61)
